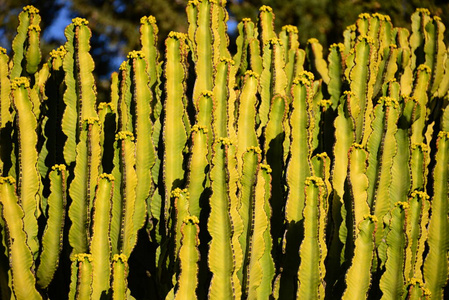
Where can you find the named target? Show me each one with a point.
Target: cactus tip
(423, 11)
(196, 128)
(426, 68)
(135, 54)
(443, 134)
(147, 20)
(20, 81)
(176, 193)
(381, 17)
(177, 35)
(366, 38)
(123, 66)
(104, 105)
(227, 60)
(290, 28)
(419, 194)
(207, 93)
(109, 177)
(58, 53)
(35, 28)
(251, 73)
(402, 205)
(256, 150)
(80, 21)
(244, 20)
(59, 168)
(305, 78)
(122, 135)
(265, 8)
(422, 146)
(80, 257)
(325, 103)
(91, 120)
(266, 167)
(191, 219)
(8, 179)
(322, 155)
(393, 46)
(193, 2)
(365, 16)
(357, 146)
(318, 181)
(372, 218)
(31, 9)
(339, 46)
(224, 140)
(312, 41)
(121, 257)
(389, 101)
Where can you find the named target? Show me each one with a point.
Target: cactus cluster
(271, 173)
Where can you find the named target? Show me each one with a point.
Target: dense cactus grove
(276, 172)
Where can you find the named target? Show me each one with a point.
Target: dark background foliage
(115, 23)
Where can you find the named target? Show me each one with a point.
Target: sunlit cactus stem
(27, 34)
(188, 256)
(20, 257)
(28, 179)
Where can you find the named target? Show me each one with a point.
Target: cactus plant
(275, 172)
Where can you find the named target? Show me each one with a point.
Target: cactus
(275, 172)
